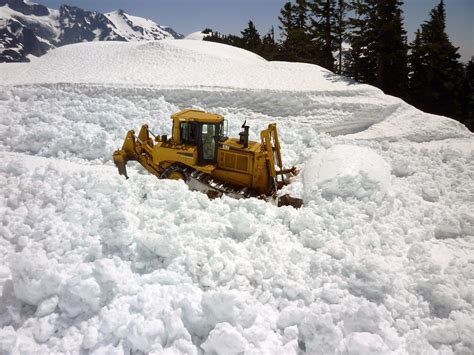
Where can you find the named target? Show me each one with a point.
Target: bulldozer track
(200, 181)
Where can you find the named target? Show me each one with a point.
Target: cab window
(189, 132)
(222, 130)
(208, 142)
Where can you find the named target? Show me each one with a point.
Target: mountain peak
(26, 7)
(134, 28)
(70, 24)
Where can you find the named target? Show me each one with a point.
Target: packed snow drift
(380, 258)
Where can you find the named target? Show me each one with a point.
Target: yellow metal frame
(157, 154)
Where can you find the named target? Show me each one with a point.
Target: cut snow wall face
(346, 171)
(214, 76)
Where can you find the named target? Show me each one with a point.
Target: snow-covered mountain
(17, 41)
(27, 28)
(77, 25)
(379, 259)
(134, 28)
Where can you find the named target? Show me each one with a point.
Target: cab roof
(197, 116)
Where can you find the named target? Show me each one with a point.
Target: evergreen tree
(214, 37)
(231, 40)
(378, 54)
(436, 86)
(467, 102)
(234, 40)
(287, 28)
(417, 70)
(296, 45)
(251, 39)
(360, 62)
(322, 32)
(340, 32)
(391, 49)
(269, 47)
(300, 10)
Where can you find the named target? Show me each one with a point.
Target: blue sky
(231, 16)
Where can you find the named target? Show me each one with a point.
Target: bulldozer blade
(120, 163)
(293, 171)
(287, 200)
(122, 170)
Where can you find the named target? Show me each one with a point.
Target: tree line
(366, 40)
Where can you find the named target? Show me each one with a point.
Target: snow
(126, 26)
(224, 339)
(378, 260)
(197, 36)
(294, 91)
(347, 171)
(50, 22)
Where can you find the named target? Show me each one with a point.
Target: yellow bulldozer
(200, 153)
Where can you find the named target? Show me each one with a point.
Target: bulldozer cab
(201, 129)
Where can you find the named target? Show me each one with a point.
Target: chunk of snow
(220, 307)
(34, 276)
(47, 306)
(319, 334)
(401, 168)
(224, 339)
(79, 296)
(366, 319)
(443, 334)
(448, 227)
(346, 171)
(45, 328)
(90, 338)
(363, 343)
(8, 339)
(430, 193)
(442, 299)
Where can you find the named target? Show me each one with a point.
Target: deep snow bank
(183, 63)
(219, 76)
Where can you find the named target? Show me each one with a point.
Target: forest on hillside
(366, 41)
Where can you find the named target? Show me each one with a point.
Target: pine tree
(417, 70)
(296, 45)
(214, 37)
(231, 40)
(287, 28)
(340, 32)
(391, 49)
(378, 54)
(360, 62)
(269, 47)
(438, 88)
(251, 39)
(322, 32)
(234, 40)
(300, 10)
(467, 102)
